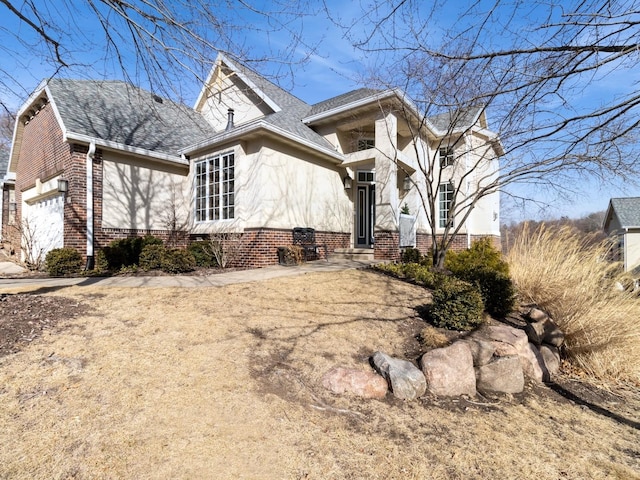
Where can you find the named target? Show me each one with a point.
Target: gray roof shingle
(119, 112)
(455, 119)
(627, 210)
(340, 100)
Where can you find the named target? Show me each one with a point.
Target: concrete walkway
(216, 280)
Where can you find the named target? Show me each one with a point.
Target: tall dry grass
(572, 281)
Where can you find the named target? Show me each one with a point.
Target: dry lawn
(224, 383)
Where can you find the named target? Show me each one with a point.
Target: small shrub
(178, 261)
(101, 263)
(126, 251)
(151, 257)
(202, 254)
(63, 261)
(497, 290)
(482, 254)
(411, 255)
(291, 255)
(457, 305)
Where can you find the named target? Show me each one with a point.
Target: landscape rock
(506, 340)
(449, 370)
(503, 375)
(406, 380)
(551, 358)
(340, 380)
(536, 315)
(533, 364)
(545, 331)
(481, 350)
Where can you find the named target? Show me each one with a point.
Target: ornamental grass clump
(575, 283)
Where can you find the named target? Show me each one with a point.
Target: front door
(365, 215)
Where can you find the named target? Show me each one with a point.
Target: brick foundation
(387, 245)
(259, 247)
(423, 242)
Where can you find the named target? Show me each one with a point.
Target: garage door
(43, 227)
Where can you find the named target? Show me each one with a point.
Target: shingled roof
(627, 210)
(119, 112)
(340, 100)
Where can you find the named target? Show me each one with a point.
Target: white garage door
(43, 227)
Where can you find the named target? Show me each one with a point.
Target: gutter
(239, 132)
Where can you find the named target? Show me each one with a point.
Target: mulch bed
(23, 318)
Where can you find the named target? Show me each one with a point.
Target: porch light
(13, 207)
(346, 181)
(63, 185)
(406, 184)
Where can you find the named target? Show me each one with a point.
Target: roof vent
(157, 98)
(229, 120)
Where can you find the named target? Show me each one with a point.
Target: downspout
(466, 193)
(89, 161)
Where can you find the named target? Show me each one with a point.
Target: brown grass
(570, 279)
(224, 383)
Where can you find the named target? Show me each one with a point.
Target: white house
(94, 161)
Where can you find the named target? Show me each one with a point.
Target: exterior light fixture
(13, 207)
(406, 184)
(347, 181)
(63, 185)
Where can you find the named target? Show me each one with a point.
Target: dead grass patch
(225, 383)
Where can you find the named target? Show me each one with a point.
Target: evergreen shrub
(63, 261)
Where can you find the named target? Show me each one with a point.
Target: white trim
(222, 58)
(254, 126)
(116, 146)
(350, 106)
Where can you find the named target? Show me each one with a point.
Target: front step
(352, 254)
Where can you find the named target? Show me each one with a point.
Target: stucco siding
(285, 190)
(236, 95)
(141, 196)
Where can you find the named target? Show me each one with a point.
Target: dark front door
(365, 215)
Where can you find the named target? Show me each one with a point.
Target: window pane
(214, 188)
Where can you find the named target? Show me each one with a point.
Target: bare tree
(529, 65)
(160, 44)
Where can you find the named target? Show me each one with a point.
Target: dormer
(231, 87)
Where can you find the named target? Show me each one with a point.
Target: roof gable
(623, 213)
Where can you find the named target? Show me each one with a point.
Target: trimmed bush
(483, 266)
(411, 255)
(497, 290)
(482, 254)
(202, 254)
(101, 263)
(63, 261)
(457, 305)
(125, 252)
(178, 261)
(151, 257)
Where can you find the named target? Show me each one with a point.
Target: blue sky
(334, 68)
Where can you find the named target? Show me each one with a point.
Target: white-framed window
(445, 199)
(215, 189)
(365, 144)
(446, 156)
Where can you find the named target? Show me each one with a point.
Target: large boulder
(503, 375)
(481, 350)
(536, 315)
(405, 379)
(545, 331)
(533, 364)
(506, 340)
(449, 371)
(551, 358)
(341, 380)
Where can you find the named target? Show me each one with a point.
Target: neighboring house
(7, 204)
(622, 222)
(95, 161)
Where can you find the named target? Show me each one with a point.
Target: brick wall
(387, 245)
(42, 154)
(259, 247)
(423, 242)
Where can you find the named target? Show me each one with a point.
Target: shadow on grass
(577, 399)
